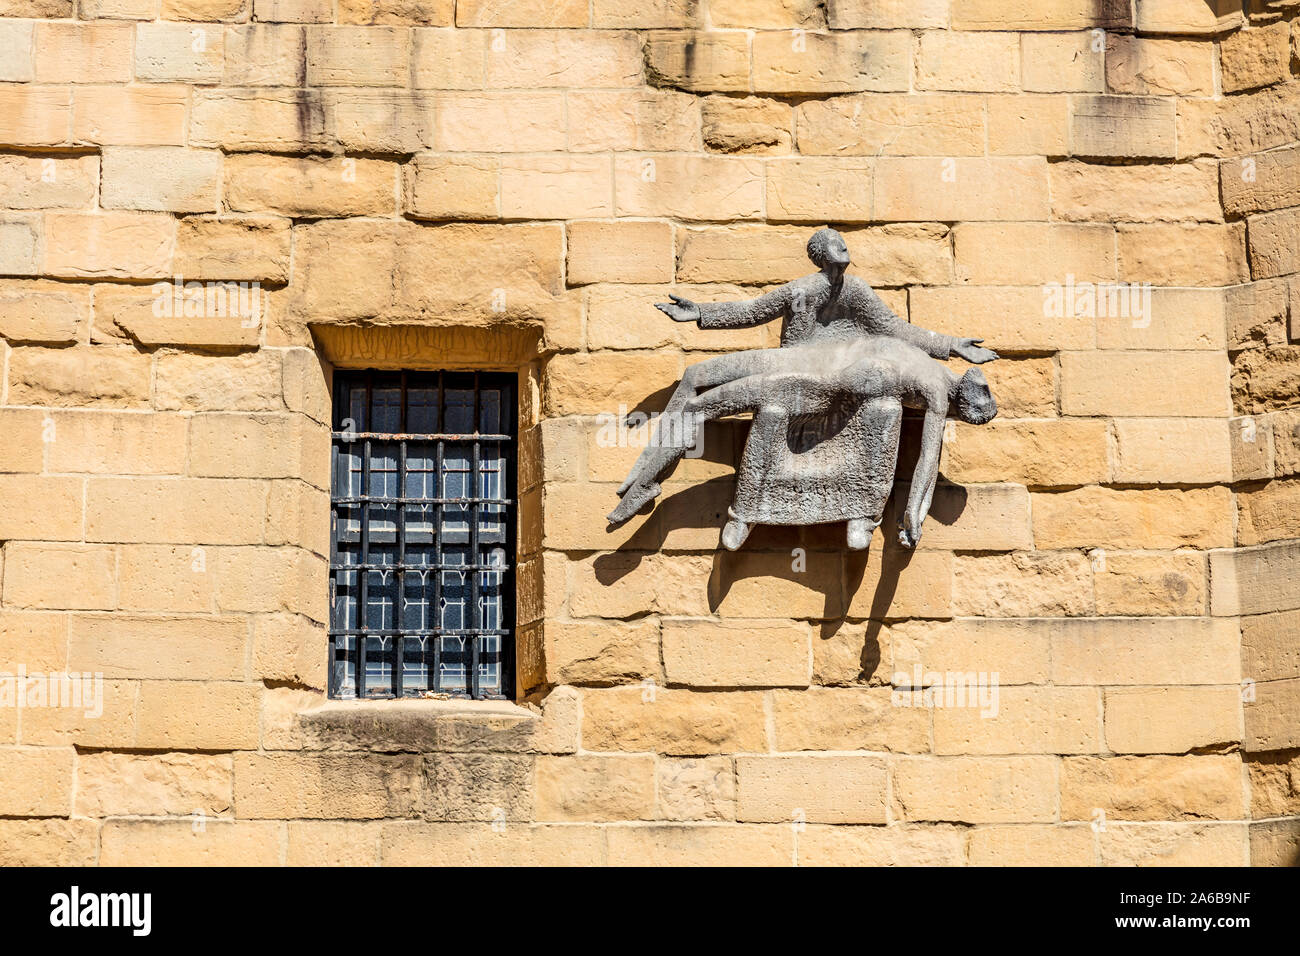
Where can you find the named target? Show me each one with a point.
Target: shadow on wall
(696, 513)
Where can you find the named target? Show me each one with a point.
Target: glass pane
(421, 579)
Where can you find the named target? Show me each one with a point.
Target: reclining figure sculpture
(827, 405)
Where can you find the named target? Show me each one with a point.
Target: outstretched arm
(927, 471)
(728, 315)
(883, 321)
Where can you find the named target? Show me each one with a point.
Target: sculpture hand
(970, 350)
(680, 309)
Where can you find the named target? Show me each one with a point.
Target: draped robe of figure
(809, 469)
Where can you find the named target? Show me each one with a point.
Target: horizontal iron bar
(451, 695)
(349, 438)
(380, 499)
(372, 566)
(416, 632)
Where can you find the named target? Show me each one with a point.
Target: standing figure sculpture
(827, 404)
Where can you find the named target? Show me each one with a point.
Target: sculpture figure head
(829, 252)
(972, 399)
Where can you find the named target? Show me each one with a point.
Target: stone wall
(510, 185)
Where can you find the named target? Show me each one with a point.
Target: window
(422, 513)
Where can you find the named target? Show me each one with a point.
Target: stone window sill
(418, 726)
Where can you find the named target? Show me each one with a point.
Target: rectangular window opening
(422, 525)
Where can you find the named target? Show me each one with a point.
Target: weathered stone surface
(595, 788)
(1194, 17)
(1140, 651)
(1255, 57)
(1273, 241)
(1173, 844)
(1255, 580)
(746, 125)
(1017, 650)
(1132, 583)
(110, 784)
(1274, 784)
(1274, 843)
(1022, 584)
(100, 375)
(1266, 379)
(48, 313)
(259, 119)
(700, 653)
(1269, 513)
(1032, 845)
(40, 781)
(698, 61)
(1153, 788)
(619, 252)
(975, 789)
(1033, 253)
(1148, 66)
(1268, 647)
(1135, 518)
(1050, 15)
(674, 722)
(847, 62)
(308, 187)
(1042, 453)
(818, 789)
(238, 249)
(1112, 126)
(1269, 718)
(968, 62)
(1086, 191)
(179, 843)
(48, 842)
(889, 125)
(1172, 719)
(1172, 451)
(602, 652)
(265, 54)
(1027, 720)
(643, 119)
(696, 789)
(1246, 123)
(248, 382)
(133, 245)
(1252, 442)
(1130, 383)
(31, 182)
(325, 787)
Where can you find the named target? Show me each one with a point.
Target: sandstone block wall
(510, 185)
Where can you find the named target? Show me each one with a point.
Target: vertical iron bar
(331, 682)
(363, 588)
(476, 611)
(400, 601)
(509, 426)
(438, 487)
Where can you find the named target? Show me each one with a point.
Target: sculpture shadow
(690, 518)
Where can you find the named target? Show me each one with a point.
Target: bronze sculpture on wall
(827, 405)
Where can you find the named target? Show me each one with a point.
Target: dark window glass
(422, 524)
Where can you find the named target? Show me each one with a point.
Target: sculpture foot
(860, 533)
(734, 533)
(633, 501)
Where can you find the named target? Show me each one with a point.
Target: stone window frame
(517, 349)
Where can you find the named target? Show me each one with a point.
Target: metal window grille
(422, 518)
